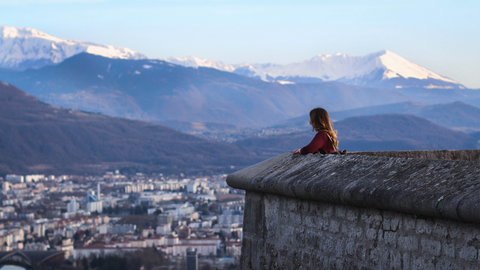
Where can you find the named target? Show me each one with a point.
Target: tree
(85, 264)
(76, 237)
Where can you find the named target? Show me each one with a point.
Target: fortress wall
(360, 212)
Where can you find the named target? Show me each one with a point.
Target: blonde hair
(320, 121)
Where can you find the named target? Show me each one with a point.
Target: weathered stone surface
(427, 187)
(467, 155)
(335, 241)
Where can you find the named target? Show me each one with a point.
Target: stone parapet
(435, 188)
(364, 210)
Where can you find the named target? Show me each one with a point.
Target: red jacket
(320, 141)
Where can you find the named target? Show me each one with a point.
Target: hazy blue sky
(443, 36)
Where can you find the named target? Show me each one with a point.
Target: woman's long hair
(320, 121)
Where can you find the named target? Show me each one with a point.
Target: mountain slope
(22, 48)
(372, 133)
(36, 137)
(155, 90)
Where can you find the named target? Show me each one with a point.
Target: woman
(325, 141)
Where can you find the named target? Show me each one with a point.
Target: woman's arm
(317, 142)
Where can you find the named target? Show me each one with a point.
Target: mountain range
(156, 90)
(23, 48)
(36, 137)
(382, 69)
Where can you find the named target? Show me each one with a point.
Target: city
(88, 216)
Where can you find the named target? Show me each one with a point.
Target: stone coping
(468, 155)
(428, 187)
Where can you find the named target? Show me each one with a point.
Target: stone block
(327, 211)
(406, 261)
(440, 230)
(310, 221)
(352, 215)
(319, 261)
(288, 234)
(340, 211)
(390, 222)
(334, 226)
(422, 263)
(371, 234)
(374, 256)
(313, 239)
(263, 263)
(408, 243)
(408, 222)
(336, 264)
(350, 248)
(295, 219)
(351, 230)
(384, 258)
(291, 206)
(361, 253)
(300, 237)
(371, 217)
(444, 264)
(340, 248)
(424, 226)
(431, 246)
(304, 206)
(328, 245)
(296, 257)
(470, 235)
(468, 253)
(454, 230)
(449, 250)
(395, 260)
(390, 238)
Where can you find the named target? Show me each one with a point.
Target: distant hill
(155, 90)
(456, 115)
(38, 138)
(372, 133)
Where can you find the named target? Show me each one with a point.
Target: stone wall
(360, 212)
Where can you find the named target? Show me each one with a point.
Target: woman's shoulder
(321, 134)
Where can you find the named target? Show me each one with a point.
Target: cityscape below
(187, 221)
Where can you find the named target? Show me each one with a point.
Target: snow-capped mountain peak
(192, 61)
(397, 66)
(23, 48)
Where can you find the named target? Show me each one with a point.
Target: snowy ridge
(342, 66)
(22, 48)
(192, 61)
(364, 70)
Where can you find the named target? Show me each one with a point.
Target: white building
(73, 206)
(95, 206)
(230, 219)
(6, 186)
(14, 178)
(164, 229)
(39, 229)
(202, 249)
(34, 178)
(192, 187)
